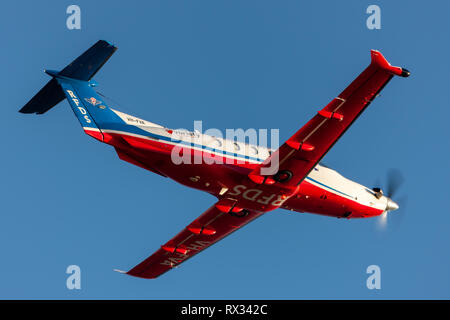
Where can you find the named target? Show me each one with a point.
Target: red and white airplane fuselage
(324, 191)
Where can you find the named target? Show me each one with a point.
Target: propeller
(395, 180)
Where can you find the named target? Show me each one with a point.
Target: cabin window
(216, 143)
(253, 151)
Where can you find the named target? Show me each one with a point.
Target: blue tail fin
(90, 109)
(83, 68)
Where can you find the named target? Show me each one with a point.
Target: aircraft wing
(213, 225)
(301, 152)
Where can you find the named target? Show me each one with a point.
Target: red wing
(213, 225)
(301, 153)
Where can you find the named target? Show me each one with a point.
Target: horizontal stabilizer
(86, 66)
(49, 96)
(82, 68)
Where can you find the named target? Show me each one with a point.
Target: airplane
(250, 180)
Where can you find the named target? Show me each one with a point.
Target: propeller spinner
(394, 181)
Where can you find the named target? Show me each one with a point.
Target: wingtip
(119, 271)
(109, 43)
(379, 60)
(405, 73)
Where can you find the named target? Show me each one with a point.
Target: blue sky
(67, 199)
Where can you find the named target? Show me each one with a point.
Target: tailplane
(48, 97)
(82, 69)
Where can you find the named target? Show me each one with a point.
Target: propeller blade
(395, 180)
(382, 221)
(397, 220)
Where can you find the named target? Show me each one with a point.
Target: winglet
(379, 60)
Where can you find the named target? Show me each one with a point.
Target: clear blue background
(67, 199)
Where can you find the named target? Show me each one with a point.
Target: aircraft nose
(391, 205)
